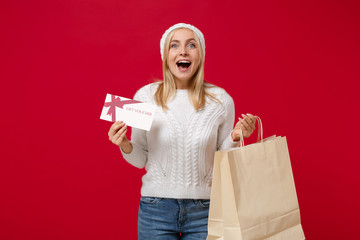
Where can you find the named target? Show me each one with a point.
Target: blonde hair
(198, 90)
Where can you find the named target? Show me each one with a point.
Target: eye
(192, 45)
(174, 45)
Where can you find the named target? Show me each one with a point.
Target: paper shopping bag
(253, 194)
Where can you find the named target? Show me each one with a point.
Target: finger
(250, 123)
(114, 128)
(115, 135)
(242, 127)
(117, 124)
(244, 131)
(121, 138)
(251, 120)
(252, 117)
(245, 125)
(118, 133)
(247, 118)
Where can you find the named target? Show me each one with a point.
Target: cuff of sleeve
(135, 157)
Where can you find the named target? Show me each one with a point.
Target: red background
(294, 63)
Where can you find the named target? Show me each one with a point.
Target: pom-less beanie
(197, 32)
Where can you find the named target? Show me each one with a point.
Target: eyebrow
(188, 40)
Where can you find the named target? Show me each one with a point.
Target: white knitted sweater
(178, 151)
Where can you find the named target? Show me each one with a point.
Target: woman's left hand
(246, 125)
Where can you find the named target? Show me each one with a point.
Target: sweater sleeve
(224, 132)
(139, 154)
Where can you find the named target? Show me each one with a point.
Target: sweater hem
(188, 193)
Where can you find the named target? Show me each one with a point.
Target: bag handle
(260, 130)
(260, 137)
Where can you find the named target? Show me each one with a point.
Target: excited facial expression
(184, 57)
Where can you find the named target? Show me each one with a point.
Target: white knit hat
(182, 25)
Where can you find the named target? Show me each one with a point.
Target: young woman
(193, 120)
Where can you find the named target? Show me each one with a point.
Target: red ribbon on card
(116, 102)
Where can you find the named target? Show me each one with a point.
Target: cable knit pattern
(178, 151)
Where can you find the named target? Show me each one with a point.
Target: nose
(183, 51)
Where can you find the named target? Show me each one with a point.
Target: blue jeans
(167, 219)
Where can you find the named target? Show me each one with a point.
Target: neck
(182, 84)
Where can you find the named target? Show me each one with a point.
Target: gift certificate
(133, 113)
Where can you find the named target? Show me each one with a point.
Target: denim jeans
(167, 219)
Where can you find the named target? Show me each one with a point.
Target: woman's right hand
(117, 134)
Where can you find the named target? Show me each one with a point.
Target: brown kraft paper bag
(253, 194)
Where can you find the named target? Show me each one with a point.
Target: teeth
(183, 61)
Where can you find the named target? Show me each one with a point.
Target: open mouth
(183, 65)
